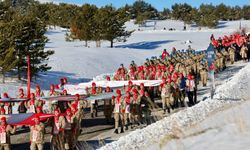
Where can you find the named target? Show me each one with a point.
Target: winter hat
(118, 92)
(3, 119)
(68, 110)
(65, 91)
(77, 96)
(5, 95)
(108, 78)
(21, 90)
(2, 110)
(57, 110)
(93, 84)
(190, 77)
(135, 91)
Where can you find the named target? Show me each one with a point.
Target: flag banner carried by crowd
(26, 118)
(81, 88)
(61, 98)
(11, 100)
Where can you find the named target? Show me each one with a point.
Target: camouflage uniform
(58, 133)
(231, 54)
(119, 110)
(37, 136)
(203, 75)
(166, 95)
(5, 138)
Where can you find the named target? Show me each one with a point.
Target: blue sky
(159, 4)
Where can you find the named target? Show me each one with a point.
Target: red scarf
(52, 92)
(38, 93)
(128, 100)
(93, 90)
(117, 100)
(21, 95)
(56, 119)
(32, 102)
(3, 128)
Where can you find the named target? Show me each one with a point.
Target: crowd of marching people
(180, 73)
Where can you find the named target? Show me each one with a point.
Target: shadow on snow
(150, 45)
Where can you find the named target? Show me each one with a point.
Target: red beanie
(57, 110)
(3, 119)
(68, 110)
(2, 110)
(77, 96)
(5, 95)
(135, 91)
(118, 92)
(108, 78)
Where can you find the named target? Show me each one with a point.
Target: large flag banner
(211, 67)
(81, 88)
(25, 119)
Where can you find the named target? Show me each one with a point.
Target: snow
(173, 130)
(82, 64)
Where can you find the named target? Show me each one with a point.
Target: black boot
(126, 128)
(116, 131)
(122, 131)
(169, 110)
(92, 115)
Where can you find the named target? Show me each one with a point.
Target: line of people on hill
(180, 72)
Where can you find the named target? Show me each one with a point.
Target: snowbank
(152, 134)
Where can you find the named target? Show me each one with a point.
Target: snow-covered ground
(79, 64)
(218, 129)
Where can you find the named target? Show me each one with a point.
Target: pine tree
(30, 40)
(8, 59)
(207, 16)
(82, 27)
(182, 12)
(112, 24)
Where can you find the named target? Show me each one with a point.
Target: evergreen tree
(112, 24)
(30, 40)
(83, 26)
(221, 11)
(141, 19)
(141, 7)
(7, 30)
(246, 12)
(166, 14)
(207, 16)
(183, 12)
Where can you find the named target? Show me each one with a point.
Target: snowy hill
(79, 64)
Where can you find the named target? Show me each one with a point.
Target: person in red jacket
(164, 54)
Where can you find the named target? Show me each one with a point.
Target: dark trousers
(190, 96)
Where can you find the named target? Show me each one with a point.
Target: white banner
(81, 88)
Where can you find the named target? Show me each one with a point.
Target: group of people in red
(64, 120)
